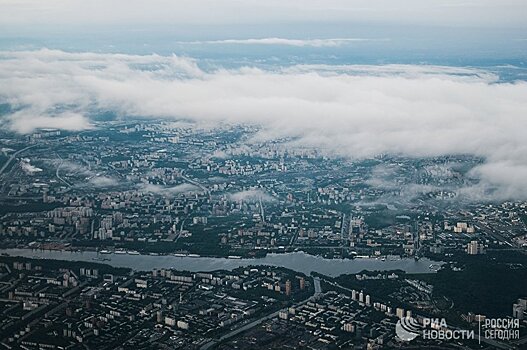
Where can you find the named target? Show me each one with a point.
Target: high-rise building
(288, 287)
(519, 309)
(475, 248)
(348, 327)
(345, 227)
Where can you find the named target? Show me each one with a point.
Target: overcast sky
(478, 13)
(424, 29)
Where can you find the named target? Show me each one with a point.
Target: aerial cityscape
(299, 175)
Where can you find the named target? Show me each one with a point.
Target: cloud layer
(281, 41)
(352, 111)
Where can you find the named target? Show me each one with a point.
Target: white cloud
(28, 168)
(103, 181)
(91, 178)
(352, 111)
(27, 121)
(401, 70)
(171, 191)
(253, 195)
(508, 176)
(72, 168)
(281, 41)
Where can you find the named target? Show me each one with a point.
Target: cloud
(253, 195)
(501, 179)
(103, 181)
(281, 41)
(27, 121)
(464, 74)
(350, 111)
(72, 168)
(26, 166)
(92, 179)
(170, 191)
(392, 179)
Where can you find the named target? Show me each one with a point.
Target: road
(335, 284)
(254, 323)
(181, 228)
(13, 156)
(262, 209)
(195, 183)
(493, 233)
(239, 330)
(58, 170)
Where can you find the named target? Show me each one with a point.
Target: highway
(195, 183)
(57, 173)
(13, 156)
(255, 323)
(239, 330)
(262, 209)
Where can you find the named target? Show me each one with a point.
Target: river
(298, 261)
